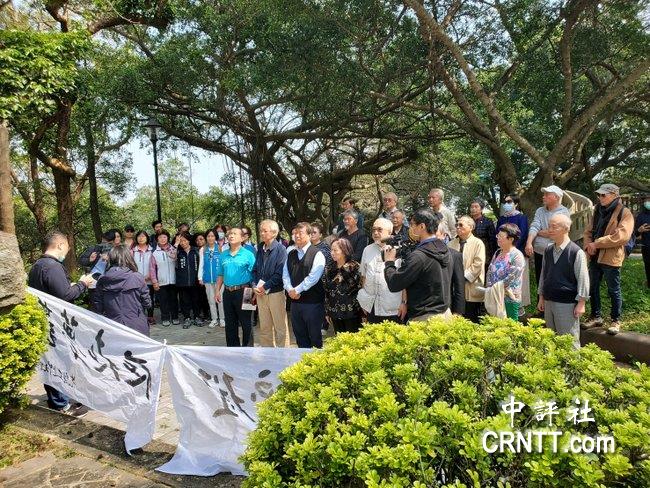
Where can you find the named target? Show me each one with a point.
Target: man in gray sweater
(539, 236)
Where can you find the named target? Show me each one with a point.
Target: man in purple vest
(564, 281)
(301, 277)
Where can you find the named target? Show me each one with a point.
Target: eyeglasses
(459, 224)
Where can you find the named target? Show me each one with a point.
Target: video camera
(403, 245)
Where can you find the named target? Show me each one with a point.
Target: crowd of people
(433, 264)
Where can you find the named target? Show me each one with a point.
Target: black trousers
(204, 306)
(377, 319)
(236, 317)
(168, 303)
(347, 325)
(152, 295)
(189, 301)
(538, 267)
(306, 321)
(473, 310)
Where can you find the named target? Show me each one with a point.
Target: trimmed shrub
(408, 406)
(23, 333)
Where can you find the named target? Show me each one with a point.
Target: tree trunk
(6, 189)
(92, 184)
(65, 213)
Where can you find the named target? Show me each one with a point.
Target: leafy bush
(23, 333)
(407, 406)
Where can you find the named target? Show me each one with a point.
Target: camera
(402, 244)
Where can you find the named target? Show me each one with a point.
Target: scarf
(602, 216)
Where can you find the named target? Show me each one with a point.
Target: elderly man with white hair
(538, 233)
(564, 282)
(269, 289)
(390, 207)
(376, 300)
(473, 251)
(437, 203)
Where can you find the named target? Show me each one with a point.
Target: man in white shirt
(377, 301)
(301, 277)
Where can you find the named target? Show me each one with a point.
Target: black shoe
(198, 323)
(187, 324)
(78, 411)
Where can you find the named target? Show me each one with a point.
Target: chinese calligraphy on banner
(117, 371)
(214, 390)
(104, 365)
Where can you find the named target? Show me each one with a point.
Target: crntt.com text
(533, 441)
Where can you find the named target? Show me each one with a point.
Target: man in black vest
(302, 280)
(49, 276)
(564, 281)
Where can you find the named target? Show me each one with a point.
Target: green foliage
(36, 70)
(404, 406)
(181, 202)
(23, 334)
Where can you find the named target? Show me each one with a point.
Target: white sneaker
(212, 324)
(222, 324)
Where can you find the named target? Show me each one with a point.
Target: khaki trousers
(274, 329)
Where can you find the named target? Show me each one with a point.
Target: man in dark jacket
(455, 273)
(423, 272)
(268, 287)
(49, 276)
(355, 234)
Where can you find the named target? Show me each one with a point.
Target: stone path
(82, 453)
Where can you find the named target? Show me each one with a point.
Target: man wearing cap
(539, 236)
(604, 242)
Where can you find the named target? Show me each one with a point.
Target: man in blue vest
(301, 277)
(564, 281)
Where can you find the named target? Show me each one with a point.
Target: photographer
(423, 273)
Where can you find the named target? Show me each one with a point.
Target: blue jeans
(613, 279)
(55, 399)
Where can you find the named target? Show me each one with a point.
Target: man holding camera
(423, 273)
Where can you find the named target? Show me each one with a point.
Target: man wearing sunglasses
(604, 242)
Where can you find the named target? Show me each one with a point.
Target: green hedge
(407, 406)
(23, 333)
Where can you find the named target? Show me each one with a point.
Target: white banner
(104, 365)
(117, 371)
(214, 390)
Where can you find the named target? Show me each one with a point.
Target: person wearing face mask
(49, 276)
(604, 242)
(512, 215)
(221, 232)
(376, 300)
(642, 226)
(423, 273)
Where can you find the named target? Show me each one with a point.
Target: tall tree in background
(283, 90)
(47, 132)
(534, 81)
